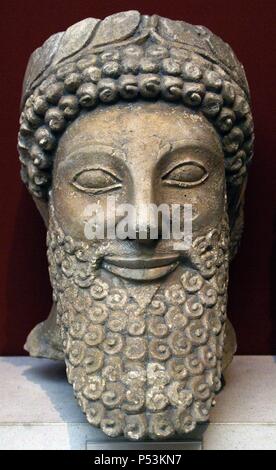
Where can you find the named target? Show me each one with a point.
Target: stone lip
(140, 274)
(143, 267)
(134, 262)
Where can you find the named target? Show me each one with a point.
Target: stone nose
(145, 223)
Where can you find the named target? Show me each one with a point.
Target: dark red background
(249, 26)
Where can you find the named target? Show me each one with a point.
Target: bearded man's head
(147, 111)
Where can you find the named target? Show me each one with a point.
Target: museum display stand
(38, 410)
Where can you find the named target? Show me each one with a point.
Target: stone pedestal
(38, 409)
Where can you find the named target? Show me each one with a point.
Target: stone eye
(96, 180)
(185, 175)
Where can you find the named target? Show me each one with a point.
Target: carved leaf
(207, 43)
(181, 32)
(226, 56)
(116, 27)
(40, 59)
(75, 38)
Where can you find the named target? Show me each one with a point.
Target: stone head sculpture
(145, 110)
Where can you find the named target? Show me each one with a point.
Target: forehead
(131, 124)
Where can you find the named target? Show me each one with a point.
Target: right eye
(96, 180)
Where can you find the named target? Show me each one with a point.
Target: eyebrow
(185, 145)
(196, 144)
(110, 150)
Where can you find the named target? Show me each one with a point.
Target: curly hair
(148, 58)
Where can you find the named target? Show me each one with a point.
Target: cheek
(210, 202)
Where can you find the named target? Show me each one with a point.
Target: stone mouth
(142, 268)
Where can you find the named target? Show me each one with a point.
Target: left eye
(96, 181)
(185, 175)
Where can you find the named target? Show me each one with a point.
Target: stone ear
(42, 206)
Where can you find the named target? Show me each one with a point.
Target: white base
(38, 410)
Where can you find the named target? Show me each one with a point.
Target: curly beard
(144, 359)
